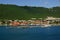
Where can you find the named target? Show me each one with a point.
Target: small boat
(44, 25)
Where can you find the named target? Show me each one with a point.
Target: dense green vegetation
(27, 12)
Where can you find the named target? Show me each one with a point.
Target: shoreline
(31, 26)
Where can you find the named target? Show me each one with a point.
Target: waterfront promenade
(31, 22)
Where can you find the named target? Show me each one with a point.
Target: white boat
(45, 25)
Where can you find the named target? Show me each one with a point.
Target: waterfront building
(0, 23)
(52, 20)
(33, 21)
(37, 22)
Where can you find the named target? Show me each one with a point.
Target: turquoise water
(35, 33)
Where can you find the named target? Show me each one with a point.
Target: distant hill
(27, 12)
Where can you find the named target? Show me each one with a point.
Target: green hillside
(27, 12)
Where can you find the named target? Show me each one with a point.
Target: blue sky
(40, 3)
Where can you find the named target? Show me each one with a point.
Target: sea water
(35, 33)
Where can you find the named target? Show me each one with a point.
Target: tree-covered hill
(27, 12)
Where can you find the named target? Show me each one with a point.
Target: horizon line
(28, 5)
